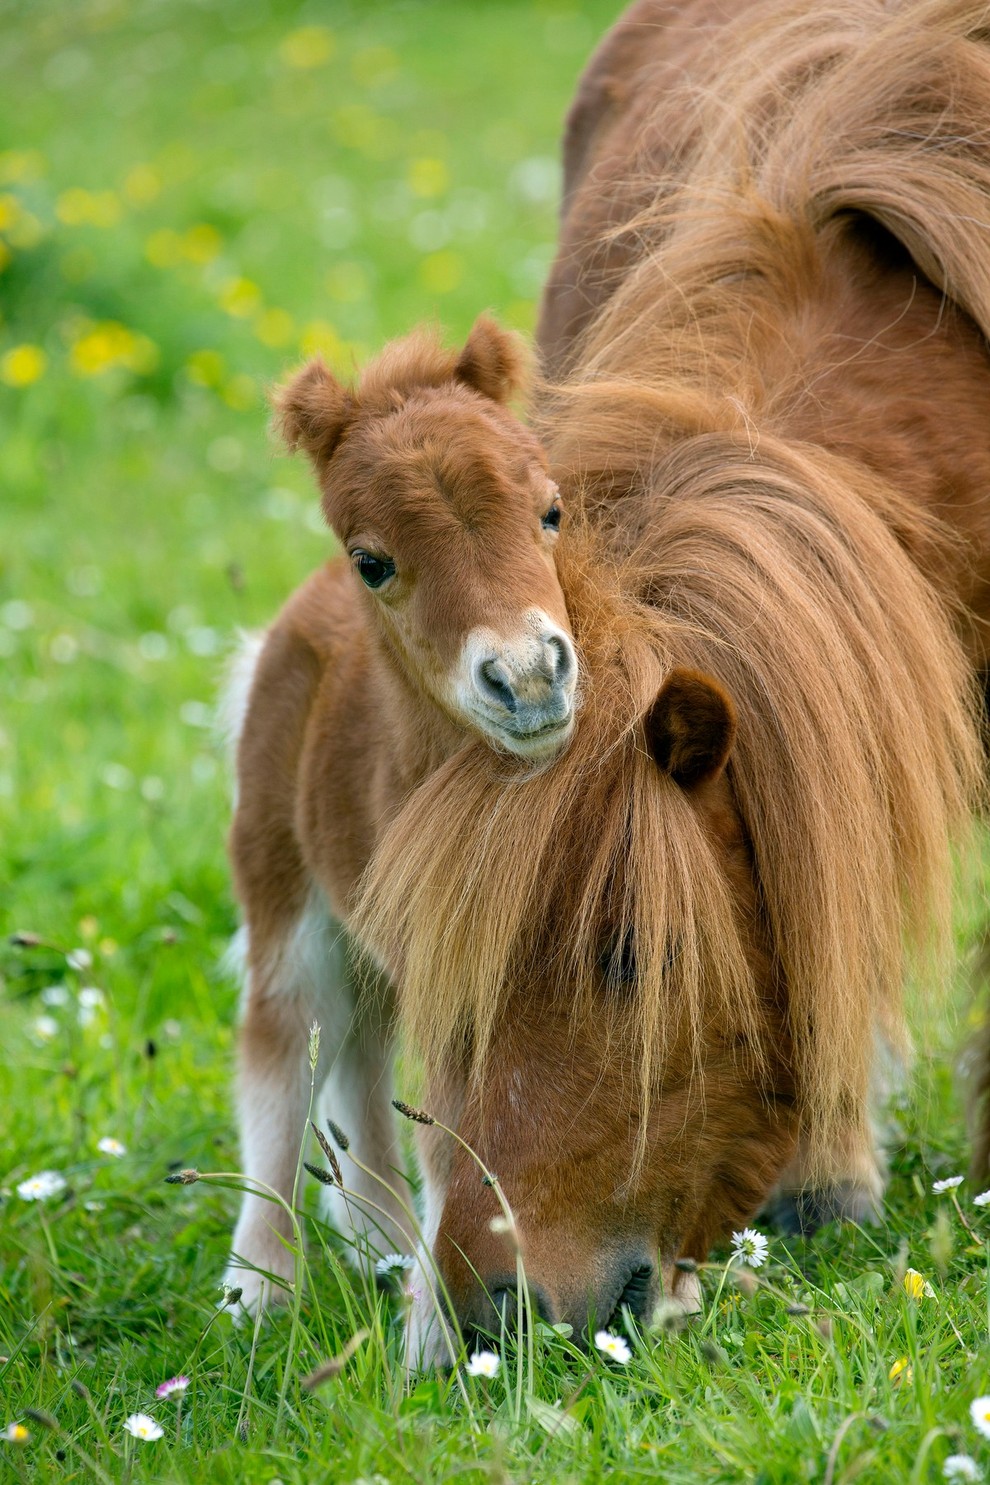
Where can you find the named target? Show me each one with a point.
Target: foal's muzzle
(628, 1286)
(521, 692)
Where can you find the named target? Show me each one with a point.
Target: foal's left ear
(495, 362)
(690, 727)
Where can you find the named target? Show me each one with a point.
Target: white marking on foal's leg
(300, 982)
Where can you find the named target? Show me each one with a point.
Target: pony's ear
(690, 727)
(494, 361)
(312, 411)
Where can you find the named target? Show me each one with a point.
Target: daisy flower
(79, 959)
(141, 1426)
(982, 1200)
(483, 1364)
(750, 1246)
(613, 1346)
(15, 1433)
(55, 995)
(44, 1028)
(109, 1146)
(174, 1385)
(979, 1411)
(961, 1467)
(40, 1187)
(392, 1263)
(949, 1184)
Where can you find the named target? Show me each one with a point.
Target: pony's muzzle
(524, 693)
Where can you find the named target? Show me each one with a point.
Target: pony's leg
(306, 978)
(801, 1204)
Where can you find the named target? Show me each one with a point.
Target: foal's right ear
(312, 411)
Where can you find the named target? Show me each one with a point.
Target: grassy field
(193, 196)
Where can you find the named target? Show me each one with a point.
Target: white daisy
(141, 1426)
(40, 1187)
(91, 998)
(961, 1467)
(982, 1200)
(483, 1364)
(750, 1246)
(54, 995)
(79, 959)
(949, 1184)
(109, 1146)
(613, 1346)
(44, 1028)
(15, 1433)
(172, 1386)
(979, 1411)
(392, 1263)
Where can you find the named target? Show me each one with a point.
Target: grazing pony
(651, 979)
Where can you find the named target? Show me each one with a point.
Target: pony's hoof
(802, 1213)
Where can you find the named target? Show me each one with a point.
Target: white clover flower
(393, 1263)
(961, 1467)
(141, 1426)
(750, 1246)
(44, 1028)
(982, 1200)
(979, 1411)
(174, 1386)
(949, 1184)
(109, 1146)
(613, 1346)
(55, 995)
(483, 1364)
(40, 1187)
(79, 959)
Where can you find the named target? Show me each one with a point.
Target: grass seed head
(419, 1116)
(339, 1135)
(323, 1176)
(331, 1157)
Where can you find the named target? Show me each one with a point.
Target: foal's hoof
(801, 1213)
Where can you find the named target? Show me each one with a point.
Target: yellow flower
(240, 297)
(917, 1286)
(76, 207)
(101, 348)
(901, 1371)
(23, 365)
(21, 165)
(428, 177)
(441, 272)
(15, 1433)
(163, 249)
(10, 211)
(319, 338)
(240, 392)
(310, 46)
(202, 243)
(274, 327)
(142, 184)
(205, 368)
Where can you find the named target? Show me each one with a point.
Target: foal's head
(442, 500)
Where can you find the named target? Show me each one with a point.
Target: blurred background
(194, 195)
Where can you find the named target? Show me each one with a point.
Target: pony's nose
(496, 1308)
(535, 687)
(495, 684)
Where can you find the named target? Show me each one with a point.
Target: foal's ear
(312, 411)
(690, 727)
(495, 362)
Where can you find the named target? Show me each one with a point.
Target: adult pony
(649, 978)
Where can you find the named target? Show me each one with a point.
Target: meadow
(194, 195)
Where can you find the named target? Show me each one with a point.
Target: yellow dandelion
(23, 365)
(319, 338)
(240, 392)
(428, 177)
(917, 1286)
(202, 243)
(142, 184)
(77, 207)
(10, 210)
(206, 368)
(240, 298)
(274, 327)
(441, 272)
(310, 46)
(103, 347)
(21, 165)
(901, 1372)
(163, 249)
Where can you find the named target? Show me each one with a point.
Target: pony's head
(442, 499)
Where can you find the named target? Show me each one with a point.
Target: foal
(440, 626)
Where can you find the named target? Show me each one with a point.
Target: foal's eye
(373, 571)
(551, 521)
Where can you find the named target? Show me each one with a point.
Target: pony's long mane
(706, 533)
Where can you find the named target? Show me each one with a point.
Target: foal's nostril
(561, 660)
(636, 1296)
(503, 1309)
(493, 681)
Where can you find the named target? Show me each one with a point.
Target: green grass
(185, 212)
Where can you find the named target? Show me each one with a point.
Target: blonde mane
(708, 530)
